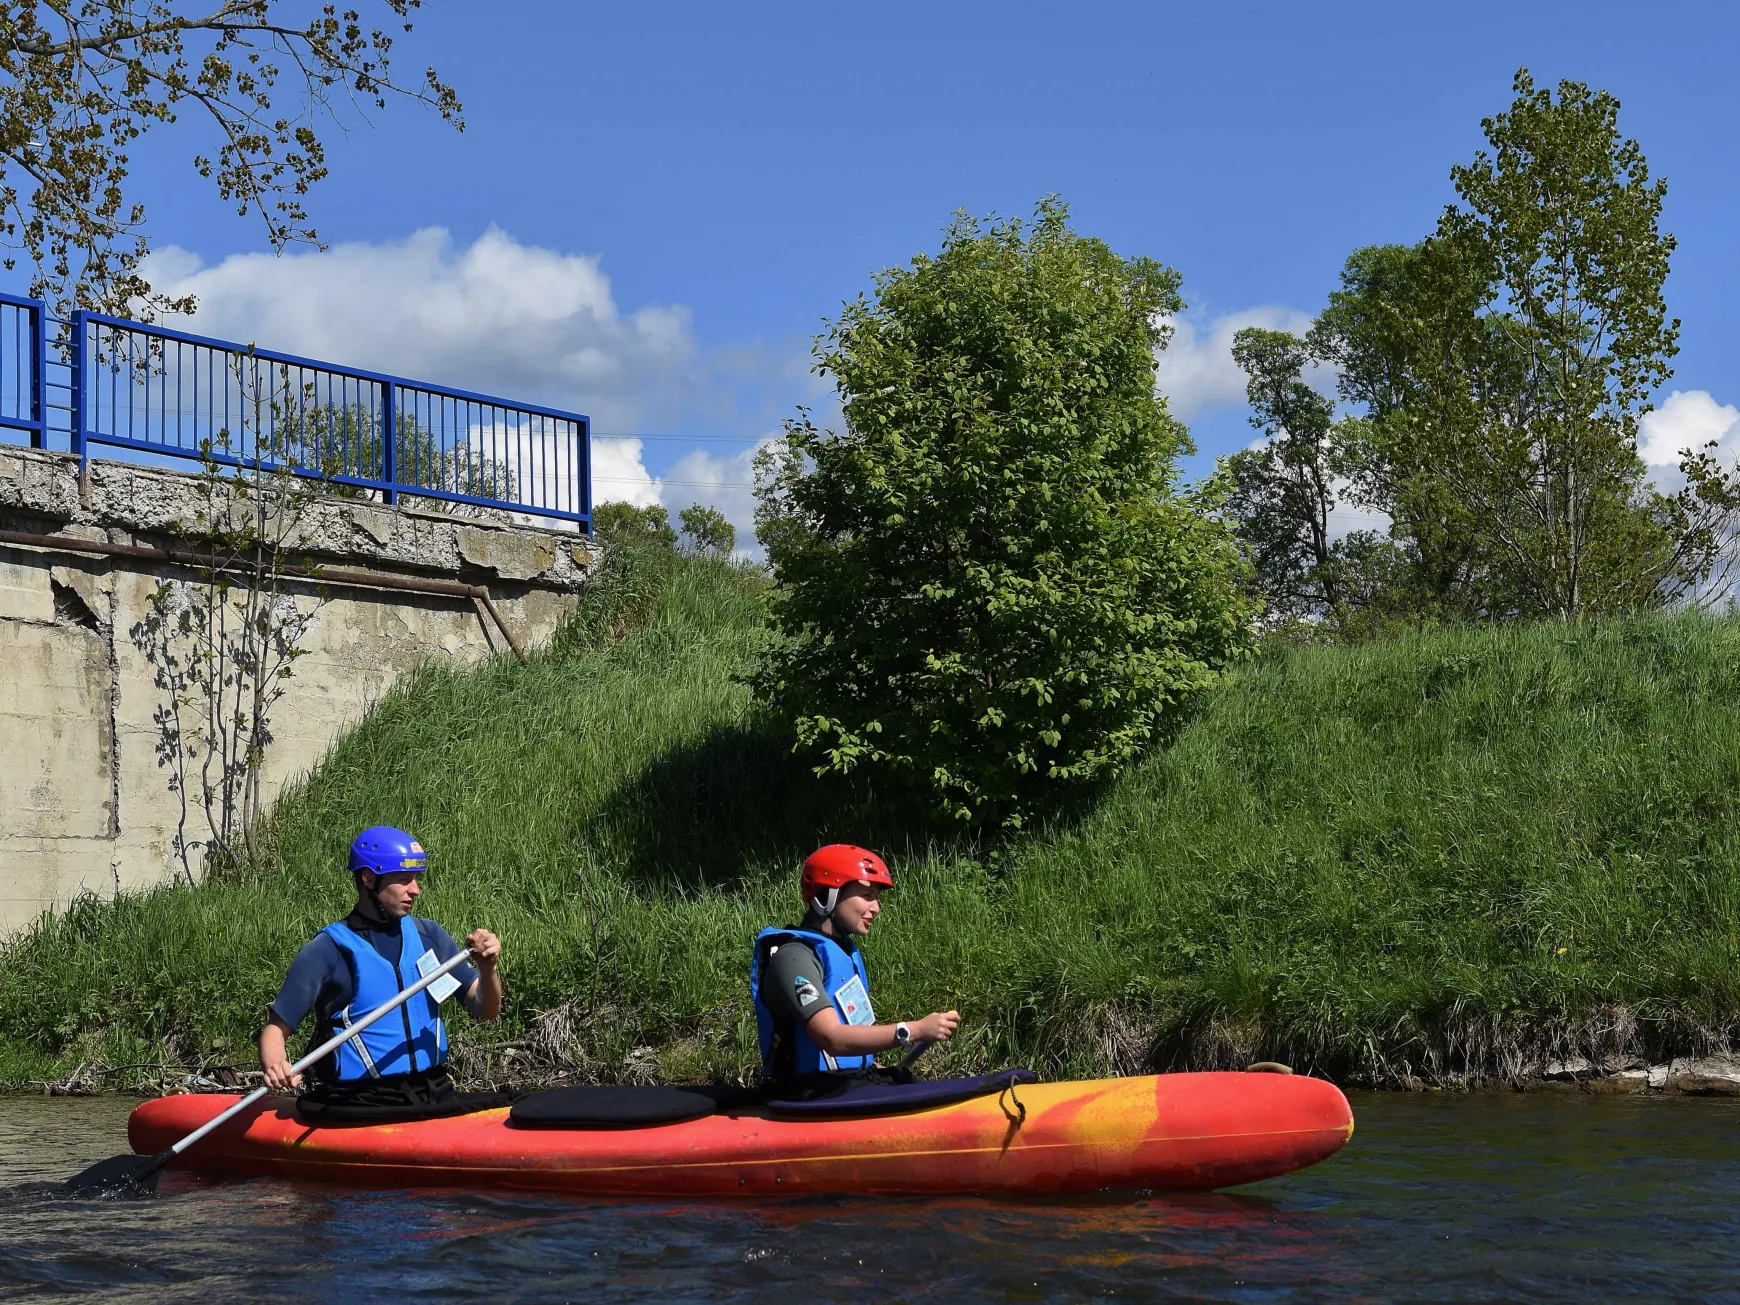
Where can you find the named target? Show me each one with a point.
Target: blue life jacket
(410, 1038)
(787, 1051)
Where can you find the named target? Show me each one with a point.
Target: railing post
(76, 367)
(39, 375)
(584, 472)
(390, 441)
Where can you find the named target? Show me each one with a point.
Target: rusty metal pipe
(334, 575)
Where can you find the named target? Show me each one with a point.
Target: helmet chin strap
(823, 908)
(826, 906)
(374, 894)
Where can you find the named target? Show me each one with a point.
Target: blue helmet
(386, 851)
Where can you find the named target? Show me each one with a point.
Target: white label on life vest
(854, 1002)
(442, 988)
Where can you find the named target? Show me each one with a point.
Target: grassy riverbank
(1455, 854)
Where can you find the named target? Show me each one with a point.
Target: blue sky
(654, 206)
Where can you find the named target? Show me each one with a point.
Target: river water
(1437, 1198)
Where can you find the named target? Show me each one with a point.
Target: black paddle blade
(119, 1175)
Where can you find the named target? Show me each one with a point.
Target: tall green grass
(1453, 855)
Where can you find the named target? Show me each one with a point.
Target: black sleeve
(317, 966)
(792, 986)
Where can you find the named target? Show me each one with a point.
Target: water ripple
(1440, 1198)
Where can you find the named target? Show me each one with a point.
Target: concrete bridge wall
(84, 805)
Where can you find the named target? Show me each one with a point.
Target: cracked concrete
(84, 806)
(128, 504)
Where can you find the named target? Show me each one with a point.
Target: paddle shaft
(324, 1049)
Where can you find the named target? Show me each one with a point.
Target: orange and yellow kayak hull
(1179, 1132)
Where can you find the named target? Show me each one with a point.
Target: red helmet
(829, 869)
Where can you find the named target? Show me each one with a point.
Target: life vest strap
(359, 1046)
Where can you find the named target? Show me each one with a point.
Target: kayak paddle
(917, 1049)
(911, 1057)
(136, 1174)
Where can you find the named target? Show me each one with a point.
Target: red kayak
(1180, 1132)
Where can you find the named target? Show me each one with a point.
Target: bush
(707, 530)
(989, 582)
(624, 523)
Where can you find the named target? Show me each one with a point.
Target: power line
(691, 484)
(687, 439)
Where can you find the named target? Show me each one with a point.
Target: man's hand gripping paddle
(124, 1175)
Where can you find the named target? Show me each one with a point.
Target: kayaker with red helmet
(364, 960)
(809, 985)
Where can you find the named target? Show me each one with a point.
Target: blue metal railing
(108, 381)
(23, 352)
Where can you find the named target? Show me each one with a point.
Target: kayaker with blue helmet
(356, 964)
(809, 985)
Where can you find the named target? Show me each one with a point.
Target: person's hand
(485, 948)
(278, 1075)
(939, 1026)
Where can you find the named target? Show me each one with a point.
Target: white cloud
(543, 468)
(721, 482)
(1197, 371)
(619, 476)
(536, 324)
(1687, 419)
(500, 317)
(699, 476)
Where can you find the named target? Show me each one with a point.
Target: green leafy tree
(1563, 220)
(82, 81)
(1505, 363)
(1284, 490)
(989, 581)
(624, 523)
(1404, 314)
(345, 440)
(707, 530)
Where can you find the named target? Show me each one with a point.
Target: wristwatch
(902, 1034)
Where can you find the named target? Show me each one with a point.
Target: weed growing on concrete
(223, 641)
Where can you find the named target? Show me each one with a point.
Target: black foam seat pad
(864, 1098)
(625, 1106)
(317, 1111)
